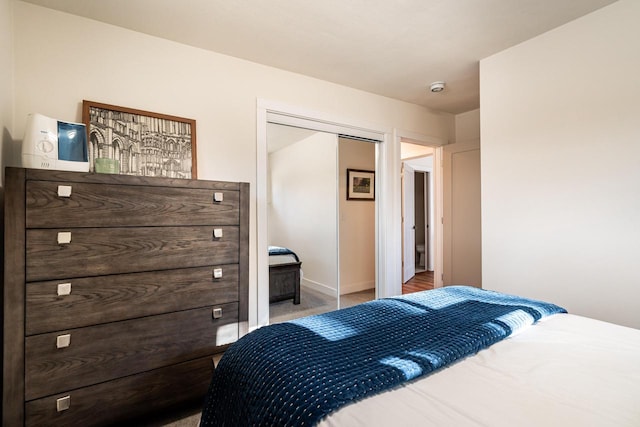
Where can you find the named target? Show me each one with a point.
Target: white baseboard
(320, 287)
(349, 288)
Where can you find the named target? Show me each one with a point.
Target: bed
(454, 356)
(284, 275)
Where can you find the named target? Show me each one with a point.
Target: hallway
(420, 282)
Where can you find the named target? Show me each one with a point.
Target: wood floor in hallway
(420, 282)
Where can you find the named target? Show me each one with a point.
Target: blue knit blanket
(295, 373)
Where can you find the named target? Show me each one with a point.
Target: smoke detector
(437, 87)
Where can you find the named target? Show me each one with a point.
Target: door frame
(279, 113)
(438, 197)
(388, 252)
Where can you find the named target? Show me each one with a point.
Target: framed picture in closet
(361, 184)
(135, 142)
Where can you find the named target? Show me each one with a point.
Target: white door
(463, 242)
(408, 222)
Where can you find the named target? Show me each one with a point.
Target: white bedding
(281, 259)
(565, 371)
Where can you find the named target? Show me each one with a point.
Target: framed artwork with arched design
(136, 142)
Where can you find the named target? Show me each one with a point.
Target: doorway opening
(388, 223)
(423, 208)
(419, 212)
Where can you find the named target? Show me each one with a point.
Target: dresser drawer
(100, 251)
(113, 350)
(115, 402)
(93, 300)
(109, 283)
(103, 205)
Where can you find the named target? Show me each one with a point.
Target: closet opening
(306, 211)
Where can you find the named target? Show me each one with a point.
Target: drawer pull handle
(218, 197)
(64, 289)
(217, 313)
(63, 403)
(217, 273)
(217, 233)
(64, 191)
(63, 341)
(64, 237)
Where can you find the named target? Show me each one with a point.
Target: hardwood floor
(420, 282)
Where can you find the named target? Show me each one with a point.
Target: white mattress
(565, 371)
(281, 259)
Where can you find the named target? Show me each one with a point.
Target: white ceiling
(392, 48)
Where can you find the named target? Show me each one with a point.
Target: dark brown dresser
(119, 291)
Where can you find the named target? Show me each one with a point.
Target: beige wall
(6, 81)
(117, 66)
(303, 208)
(560, 175)
(467, 126)
(357, 221)
(122, 67)
(462, 204)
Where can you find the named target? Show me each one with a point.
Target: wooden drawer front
(119, 400)
(103, 205)
(100, 251)
(103, 299)
(104, 352)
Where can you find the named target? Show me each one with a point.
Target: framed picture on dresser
(135, 142)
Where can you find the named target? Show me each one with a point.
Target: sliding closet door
(302, 214)
(357, 226)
